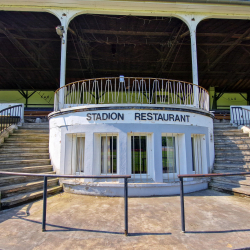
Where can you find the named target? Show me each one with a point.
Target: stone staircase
(232, 154)
(27, 151)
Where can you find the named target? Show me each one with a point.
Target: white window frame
(73, 153)
(173, 176)
(149, 141)
(199, 155)
(97, 153)
(109, 135)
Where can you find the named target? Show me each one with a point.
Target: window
(76, 153)
(108, 154)
(198, 154)
(173, 156)
(168, 154)
(80, 148)
(139, 154)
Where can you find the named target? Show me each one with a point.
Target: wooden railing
(126, 90)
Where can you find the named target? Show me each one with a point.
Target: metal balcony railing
(10, 116)
(130, 90)
(240, 116)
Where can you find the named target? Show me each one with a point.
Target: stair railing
(10, 116)
(181, 176)
(46, 176)
(240, 116)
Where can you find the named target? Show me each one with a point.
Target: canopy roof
(106, 45)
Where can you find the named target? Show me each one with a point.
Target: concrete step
(232, 167)
(227, 130)
(26, 139)
(232, 160)
(33, 169)
(238, 158)
(16, 189)
(230, 188)
(226, 141)
(25, 144)
(35, 125)
(14, 179)
(224, 125)
(23, 156)
(241, 170)
(237, 180)
(24, 131)
(27, 197)
(230, 133)
(227, 137)
(24, 163)
(30, 134)
(226, 153)
(232, 147)
(6, 150)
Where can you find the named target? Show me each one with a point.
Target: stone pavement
(213, 221)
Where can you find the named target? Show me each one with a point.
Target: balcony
(131, 90)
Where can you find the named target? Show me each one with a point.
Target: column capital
(64, 15)
(191, 20)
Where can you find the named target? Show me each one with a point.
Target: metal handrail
(45, 176)
(9, 116)
(240, 116)
(135, 90)
(181, 176)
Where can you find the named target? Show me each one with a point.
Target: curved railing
(9, 116)
(133, 90)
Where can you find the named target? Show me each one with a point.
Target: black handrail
(181, 176)
(45, 176)
(240, 116)
(9, 116)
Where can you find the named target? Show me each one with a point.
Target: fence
(240, 116)
(131, 90)
(197, 176)
(10, 116)
(45, 176)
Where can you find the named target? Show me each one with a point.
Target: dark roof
(103, 45)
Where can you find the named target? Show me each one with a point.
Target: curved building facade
(153, 129)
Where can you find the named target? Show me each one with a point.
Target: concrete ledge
(245, 129)
(7, 132)
(115, 189)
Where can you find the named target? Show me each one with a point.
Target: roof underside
(105, 46)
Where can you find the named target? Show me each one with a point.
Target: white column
(122, 159)
(192, 21)
(65, 16)
(64, 23)
(157, 174)
(194, 64)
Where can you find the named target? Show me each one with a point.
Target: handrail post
(126, 205)
(182, 205)
(44, 204)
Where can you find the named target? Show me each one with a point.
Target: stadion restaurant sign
(138, 117)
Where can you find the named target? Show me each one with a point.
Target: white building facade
(148, 128)
(154, 140)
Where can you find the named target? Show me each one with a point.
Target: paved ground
(213, 221)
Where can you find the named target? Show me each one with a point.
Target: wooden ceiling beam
(127, 33)
(168, 52)
(22, 49)
(229, 49)
(85, 51)
(214, 73)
